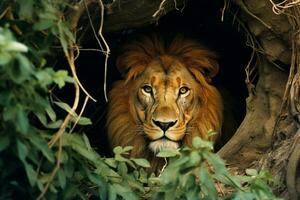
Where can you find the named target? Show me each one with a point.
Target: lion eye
(183, 90)
(147, 89)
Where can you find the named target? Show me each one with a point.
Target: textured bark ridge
(269, 135)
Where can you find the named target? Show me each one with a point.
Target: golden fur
(153, 92)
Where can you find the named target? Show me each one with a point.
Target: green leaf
(143, 176)
(100, 182)
(234, 181)
(112, 194)
(73, 139)
(199, 143)
(22, 154)
(65, 107)
(134, 184)
(42, 117)
(26, 9)
(31, 174)
(50, 112)
(195, 158)
(61, 178)
(5, 97)
(118, 150)
(90, 155)
(120, 158)
(251, 172)
(43, 24)
(67, 31)
(44, 77)
(208, 186)
(4, 142)
(65, 160)
(14, 46)
(22, 121)
(20, 71)
(127, 148)
(84, 121)
(5, 58)
(87, 142)
(55, 124)
(105, 171)
(111, 162)
(192, 188)
(141, 162)
(40, 185)
(22, 150)
(42, 145)
(61, 77)
(122, 169)
(125, 192)
(65, 36)
(217, 163)
(165, 153)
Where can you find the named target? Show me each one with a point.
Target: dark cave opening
(200, 20)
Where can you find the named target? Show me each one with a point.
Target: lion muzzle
(164, 126)
(162, 144)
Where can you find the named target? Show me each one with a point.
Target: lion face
(164, 102)
(165, 98)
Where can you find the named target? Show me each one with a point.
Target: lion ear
(196, 57)
(131, 64)
(208, 66)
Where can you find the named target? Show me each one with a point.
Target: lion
(165, 98)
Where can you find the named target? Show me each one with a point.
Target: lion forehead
(175, 74)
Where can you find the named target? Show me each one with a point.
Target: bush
(43, 157)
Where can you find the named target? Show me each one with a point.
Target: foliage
(198, 173)
(70, 168)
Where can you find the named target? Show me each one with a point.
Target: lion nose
(164, 125)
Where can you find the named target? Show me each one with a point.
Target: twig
(164, 167)
(183, 7)
(80, 114)
(249, 84)
(175, 5)
(93, 28)
(294, 90)
(54, 172)
(107, 49)
(79, 8)
(244, 7)
(59, 133)
(220, 189)
(10, 16)
(292, 170)
(279, 8)
(73, 69)
(226, 4)
(4, 12)
(160, 8)
(251, 43)
(91, 49)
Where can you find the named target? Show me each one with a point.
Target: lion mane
(124, 126)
